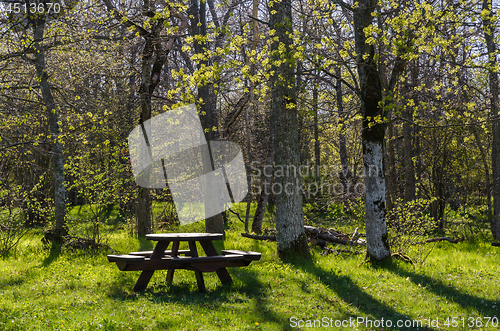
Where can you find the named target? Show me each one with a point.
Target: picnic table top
(184, 236)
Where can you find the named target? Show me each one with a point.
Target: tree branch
(343, 4)
(123, 19)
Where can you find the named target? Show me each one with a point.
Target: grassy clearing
(50, 289)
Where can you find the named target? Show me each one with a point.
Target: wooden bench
(126, 258)
(201, 263)
(249, 256)
(186, 252)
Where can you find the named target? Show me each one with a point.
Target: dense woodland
(391, 105)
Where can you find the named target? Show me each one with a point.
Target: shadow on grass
(55, 251)
(21, 277)
(219, 299)
(467, 301)
(15, 281)
(353, 295)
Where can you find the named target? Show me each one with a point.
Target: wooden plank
(170, 276)
(186, 252)
(167, 262)
(199, 267)
(222, 273)
(192, 248)
(122, 265)
(250, 256)
(198, 273)
(148, 265)
(175, 249)
(184, 236)
(173, 254)
(159, 250)
(143, 280)
(200, 281)
(208, 247)
(146, 275)
(224, 276)
(201, 263)
(126, 258)
(206, 259)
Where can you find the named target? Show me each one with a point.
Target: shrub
(12, 229)
(409, 223)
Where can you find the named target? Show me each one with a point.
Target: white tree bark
(376, 227)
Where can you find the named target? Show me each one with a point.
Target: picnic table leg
(146, 275)
(199, 275)
(210, 250)
(200, 281)
(143, 280)
(170, 273)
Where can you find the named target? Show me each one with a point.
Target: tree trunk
(408, 158)
(264, 196)
(143, 209)
(250, 160)
(344, 162)
(53, 117)
(489, 29)
(438, 205)
(372, 136)
(291, 239)
(197, 14)
(303, 143)
(486, 167)
(316, 132)
(392, 183)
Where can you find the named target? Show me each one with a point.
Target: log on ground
(258, 237)
(448, 239)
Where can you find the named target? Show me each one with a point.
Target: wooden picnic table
(162, 259)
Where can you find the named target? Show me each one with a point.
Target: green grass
(50, 289)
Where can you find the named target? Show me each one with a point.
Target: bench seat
(201, 263)
(249, 256)
(125, 258)
(167, 252)
(215, 258)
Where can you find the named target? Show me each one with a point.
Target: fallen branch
(320, 237)
(258, 237)
(431, 240)
(318, 241)
(333, 236)
(339, 251)
(348, 251)
(403, 257)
